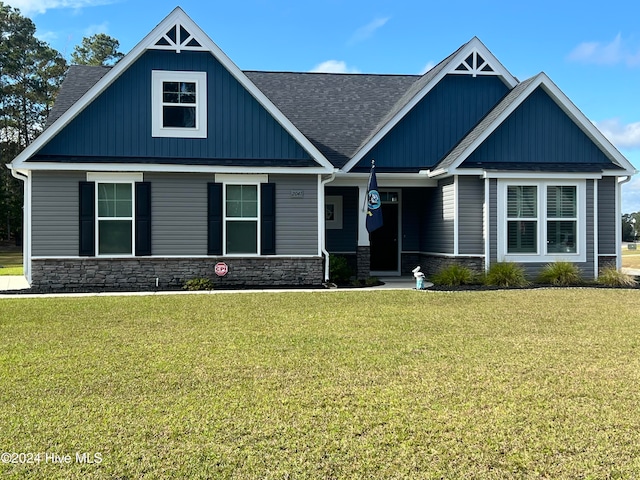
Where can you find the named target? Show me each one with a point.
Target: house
(175, 164)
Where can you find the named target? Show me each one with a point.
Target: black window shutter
(143, 218)
(268, 219)
(87, 244)
(214, 219)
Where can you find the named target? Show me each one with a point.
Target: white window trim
(200, 79)
(542, 255)
(130, 178)
(241, 180)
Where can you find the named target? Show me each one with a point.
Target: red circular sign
(221, 269)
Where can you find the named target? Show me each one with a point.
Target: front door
(384, 241)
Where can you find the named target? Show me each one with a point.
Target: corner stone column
(363, 262)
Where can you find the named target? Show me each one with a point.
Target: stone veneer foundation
(140, 273)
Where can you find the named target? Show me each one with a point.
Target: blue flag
(374, 204)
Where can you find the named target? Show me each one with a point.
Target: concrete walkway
(12, 283)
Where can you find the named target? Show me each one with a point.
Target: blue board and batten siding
(437, 123)
(118, 122)
(538, 132)
(345, 239)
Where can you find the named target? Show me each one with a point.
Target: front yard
(10, 260)
(379, 384)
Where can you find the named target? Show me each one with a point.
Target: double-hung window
(115, 218)
(179, 104)
(241, 219)
(541, 221)
(242, 213)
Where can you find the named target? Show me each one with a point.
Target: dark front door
(384, 241)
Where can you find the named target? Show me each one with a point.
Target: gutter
(621, 181)
(26, 222)
(323, 229)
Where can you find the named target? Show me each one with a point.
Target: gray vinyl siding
(493, 221)
(178, 213)
(471, 215)
(607, 216)
(440, 219)
(54, 213)
(296, 217)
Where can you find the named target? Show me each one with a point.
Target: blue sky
(592, 52)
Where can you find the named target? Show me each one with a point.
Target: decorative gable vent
(177, 38)
(474, 65)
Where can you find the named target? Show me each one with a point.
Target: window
(522, 219)
(541, 221)
(247, 215)
(179, 104)
(562, 219)
(115, 218)
(241, 219)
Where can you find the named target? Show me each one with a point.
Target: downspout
(26, 222)
(321, 216)
(619, 221)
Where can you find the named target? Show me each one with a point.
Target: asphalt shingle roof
(77, 82)
(336, 112)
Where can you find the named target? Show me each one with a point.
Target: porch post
(363, 252)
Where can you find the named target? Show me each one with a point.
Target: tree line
(31, 73)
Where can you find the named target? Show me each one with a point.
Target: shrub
(560, 273)
(339, 270)
(506, 274)
(453, 276)
(198, 284)
(612, 277)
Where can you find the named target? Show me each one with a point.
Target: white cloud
(621, 135)
(333, 66)
(363, 33)
(95, 29)
(612, 53)
(631, 195)
(34, 7)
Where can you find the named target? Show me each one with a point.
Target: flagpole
(373, 165)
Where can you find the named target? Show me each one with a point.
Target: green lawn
(630, 258)
(382, 384)
(10, 260)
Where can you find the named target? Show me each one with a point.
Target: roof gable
(502, 112)
(473, 58)
(176, 32)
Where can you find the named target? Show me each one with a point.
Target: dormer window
(179, 104)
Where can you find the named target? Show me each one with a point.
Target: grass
(383, 384)
(630, 258)
(10, 260)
